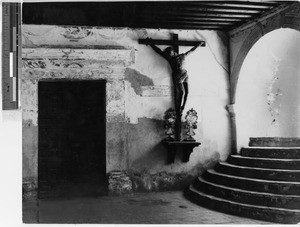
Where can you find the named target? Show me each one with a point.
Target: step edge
(253, 179)
(201, 179)
(270, 148)
(274, 137)
(191, 187)
(266, 159)
(256, 168)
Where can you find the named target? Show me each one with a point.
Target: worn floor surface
(139, 208)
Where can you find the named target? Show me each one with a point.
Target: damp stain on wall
(137, 80)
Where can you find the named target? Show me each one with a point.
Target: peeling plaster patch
(31, 64)
(115, 111)
(29, 101)
(75, 73)
(132, 104)
(137, 33)
(30, 116)
(150, 104)
(115, 101)
(30, 151)
(27, 42)
(137, 80)
(273, 100)
(161, 181)
(156, 91)
(57, 64)
(36, 35)
(123, 182)
(119, 183)
(29, 188)
(27, 123)
(112, 33)
(121, 56)
(75, 33)
(132, 56)
(116, 146)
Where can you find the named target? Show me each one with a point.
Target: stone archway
(241, 41)
(267, 97)
(289, 18)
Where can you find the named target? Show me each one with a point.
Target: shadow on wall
(144, 144)
(148, 169)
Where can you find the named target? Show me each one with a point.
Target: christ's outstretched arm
(192, 50)
(156, 49)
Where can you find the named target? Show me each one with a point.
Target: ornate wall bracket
(175, 144)
(186, 147)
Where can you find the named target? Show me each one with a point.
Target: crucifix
(179, 74)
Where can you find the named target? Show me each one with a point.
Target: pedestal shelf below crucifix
(186, 147)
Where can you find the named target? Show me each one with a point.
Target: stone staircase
(263, 182)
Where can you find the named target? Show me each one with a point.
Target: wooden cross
(175, 43)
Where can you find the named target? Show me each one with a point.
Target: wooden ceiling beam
(239, 3)
(250, 3)
(225, 7)
(207, 10)
(235, 5)
(198, 14)
(193, 27)
(197, 22)
(208, 19)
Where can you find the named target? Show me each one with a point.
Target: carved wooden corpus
(175, 43)
(172, 145)
(186, 147)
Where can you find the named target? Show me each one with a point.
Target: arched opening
(268, 97)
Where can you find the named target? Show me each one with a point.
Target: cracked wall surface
(138, 92)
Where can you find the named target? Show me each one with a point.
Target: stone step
(269, 163)
(279, 215)
(246, 196)
(271, 152)
(253, 184)
(259, 173)
(274, 142)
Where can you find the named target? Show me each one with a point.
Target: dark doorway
(71, 156)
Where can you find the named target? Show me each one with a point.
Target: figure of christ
(179, 73)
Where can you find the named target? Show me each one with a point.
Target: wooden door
(71, 123)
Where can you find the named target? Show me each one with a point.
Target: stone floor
(138, 208)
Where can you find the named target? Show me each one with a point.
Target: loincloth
(181, 77)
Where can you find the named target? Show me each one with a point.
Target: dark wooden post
(178, 113)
